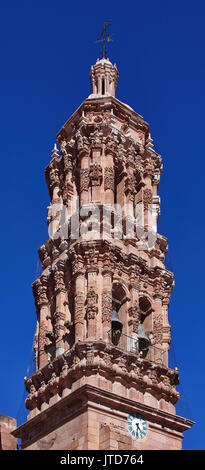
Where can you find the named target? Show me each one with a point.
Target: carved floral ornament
(134, 315)
(84, 179)
(109, 178)
(79, 308)
(157, 333)
(97, 117)
(107, 306)
(96, 174)
(42, 339)
(92, 308)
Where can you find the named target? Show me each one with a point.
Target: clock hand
(139, 428)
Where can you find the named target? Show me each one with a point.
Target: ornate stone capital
(82, 144)
(40, 291)
(96, 139)
(78, 267)
(44, 256)
(110, 145)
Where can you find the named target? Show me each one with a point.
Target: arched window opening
(117, 325)
(103, 86)
(118, 314)
(145, 309)
(144, 327)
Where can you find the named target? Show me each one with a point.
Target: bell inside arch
(116, 323)
(142, 338)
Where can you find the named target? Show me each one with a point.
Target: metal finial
(103, 38)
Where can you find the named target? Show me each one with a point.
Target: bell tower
(102, 340)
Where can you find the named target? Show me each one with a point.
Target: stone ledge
(89, 358)
(90, 397)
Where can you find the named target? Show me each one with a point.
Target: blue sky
(46, 49)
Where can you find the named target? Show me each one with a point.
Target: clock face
(137, 426)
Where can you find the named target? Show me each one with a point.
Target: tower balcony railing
(133, 345)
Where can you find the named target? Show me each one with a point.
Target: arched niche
(119, 306)
(145, 312)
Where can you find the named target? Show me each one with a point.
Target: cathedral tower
(102, 377)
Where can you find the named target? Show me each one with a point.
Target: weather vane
(103, 38)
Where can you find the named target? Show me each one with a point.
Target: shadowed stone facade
(87, 379)
(7, 440)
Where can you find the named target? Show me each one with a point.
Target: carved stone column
(133, 310)
(61, 301)
(35, 346)
(78, 271)
(109, 175)
(54, 183)
(83, 149)
(147, 206)
(107, 311)
(166, 327)
(40, 288)
(92, 292)
(68, 189)
(107, 302)
(134, 319)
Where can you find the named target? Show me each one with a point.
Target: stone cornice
(104, 102)
(89, 396)
(98, 357)
(105, 246)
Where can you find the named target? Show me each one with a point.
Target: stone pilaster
(60, 311)
(40, 292)
(107, 303)
(78, 271)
